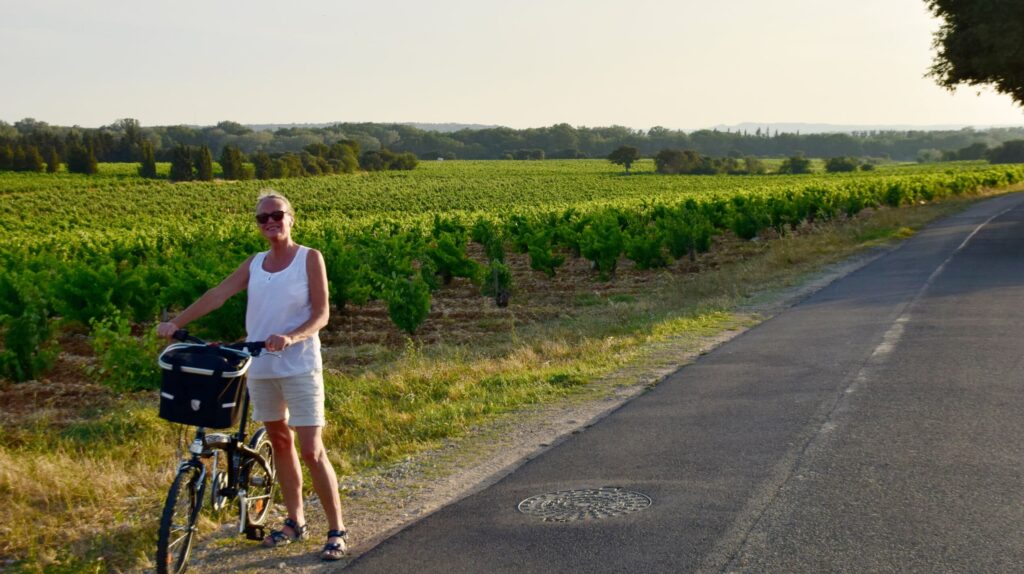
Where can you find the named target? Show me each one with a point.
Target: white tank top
(278, 303)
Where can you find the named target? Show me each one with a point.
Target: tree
(148, 166)
(372, 161)
(181, 164)
(232, 162)
(204, 164)
(795, 165)
(6, 157)
(30, 160)
(929, 155)
(263, 165)
(624, 156)
(979, 44)
(404, 161)
(344, 156)
(1009, 152)
(52, 160)
(841, 164)
(754, 166)
(974, 151)
(81, 159)
(673, 161)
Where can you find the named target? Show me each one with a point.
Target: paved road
(875, 427)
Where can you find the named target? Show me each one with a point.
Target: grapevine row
(92, 277)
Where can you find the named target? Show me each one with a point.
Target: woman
(287, 307)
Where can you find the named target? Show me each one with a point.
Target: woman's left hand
(276, 343)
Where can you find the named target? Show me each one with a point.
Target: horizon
(799, 127)
(681, 65)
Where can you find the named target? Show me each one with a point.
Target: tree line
(125, 141)
(190, 162)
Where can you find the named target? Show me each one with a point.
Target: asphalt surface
(875, 427)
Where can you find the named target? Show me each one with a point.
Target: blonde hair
(268, 193)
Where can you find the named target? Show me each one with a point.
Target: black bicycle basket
(202, 385)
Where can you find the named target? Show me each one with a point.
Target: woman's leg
(325, 482)
(289, 475)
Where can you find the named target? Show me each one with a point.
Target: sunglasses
(262, 218)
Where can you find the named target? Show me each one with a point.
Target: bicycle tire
(258, 477)
(178, 521)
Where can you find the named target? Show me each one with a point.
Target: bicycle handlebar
(254, 348)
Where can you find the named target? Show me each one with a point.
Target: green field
(89, 261)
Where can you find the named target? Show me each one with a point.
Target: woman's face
(271, 229)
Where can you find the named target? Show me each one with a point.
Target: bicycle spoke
(178, 540)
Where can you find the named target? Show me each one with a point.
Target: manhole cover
(592, 503)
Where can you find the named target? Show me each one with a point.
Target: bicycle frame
(236, 452)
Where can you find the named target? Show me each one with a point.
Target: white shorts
(299, 400)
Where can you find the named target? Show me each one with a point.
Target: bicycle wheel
(178, 522)
(258, 477)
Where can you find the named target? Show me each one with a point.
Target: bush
(795, 165)
(408, 301)
(404, 161)
(749, 217)
(754, 166)
(27, 348)
(345, 273)
(497, 282)
(85, 292)
(538, 245)
(686, 230)
(448, 254)
(601, 242)
(486, 234)
(645, 246)
(126, 363)
(841, 164)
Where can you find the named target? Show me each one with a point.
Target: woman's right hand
(166, 329)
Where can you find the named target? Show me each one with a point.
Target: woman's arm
(210, 301)
(316, 272)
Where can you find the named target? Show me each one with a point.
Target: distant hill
(809, 128)
(443, 128)
(447, 128)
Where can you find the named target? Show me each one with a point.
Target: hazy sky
(676, 63)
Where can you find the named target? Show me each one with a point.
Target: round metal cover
(583, 504)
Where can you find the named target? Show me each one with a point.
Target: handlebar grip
(254, 348)
(183, 336)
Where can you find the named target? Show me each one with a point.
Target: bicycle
(245, 474)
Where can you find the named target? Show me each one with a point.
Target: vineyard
(113, 251)
(444, 282)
